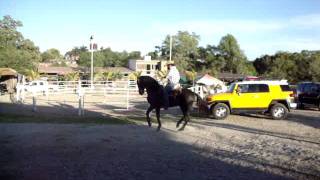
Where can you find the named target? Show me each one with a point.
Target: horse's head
(140, 85)
(147, 82)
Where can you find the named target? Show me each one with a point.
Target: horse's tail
(201, 103)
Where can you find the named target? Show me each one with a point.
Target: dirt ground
(240, 147)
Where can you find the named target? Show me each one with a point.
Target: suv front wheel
(279, 111)
(220, 111)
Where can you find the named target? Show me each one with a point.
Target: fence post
(34, 102)
(127, 98)
(81, 99)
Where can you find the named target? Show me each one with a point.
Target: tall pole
(91, 48)
(170, 47)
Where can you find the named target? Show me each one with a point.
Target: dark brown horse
(155, 91)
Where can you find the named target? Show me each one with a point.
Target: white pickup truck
(40, 86)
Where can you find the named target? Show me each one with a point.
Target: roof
(8, 72)
(55, 70)
(271, 82)
(209, 80)
(230, 76)
(113, 69)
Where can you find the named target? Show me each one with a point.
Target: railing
(112, 92)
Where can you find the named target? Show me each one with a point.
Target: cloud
(218, 26)
(256, 37)
(306, 21)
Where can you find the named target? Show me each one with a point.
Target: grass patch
(14, 118)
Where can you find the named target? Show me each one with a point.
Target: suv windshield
(231, 88)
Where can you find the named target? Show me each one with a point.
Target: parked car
(37, 86)
(308, 93)
(2, 88)
(273, 97)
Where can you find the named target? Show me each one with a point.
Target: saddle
(174, 93)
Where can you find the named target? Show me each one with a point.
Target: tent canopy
(209, 81)
(7, 72)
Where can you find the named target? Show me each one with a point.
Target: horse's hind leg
(186, 120)
(186, 117)
(148, 115)
(158, 118)
(179, 122)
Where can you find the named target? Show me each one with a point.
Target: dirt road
(240, 147)
(237, 148)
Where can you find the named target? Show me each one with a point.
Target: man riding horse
(158, 96)
(173, 79)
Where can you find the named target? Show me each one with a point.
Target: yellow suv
(274, 97)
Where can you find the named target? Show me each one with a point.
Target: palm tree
(191, 75)
(117, 75)
(72, 76)
(135, 75)
(32, 75)
(107, 75)
(99, 76)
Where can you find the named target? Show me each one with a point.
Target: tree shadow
(121, 152)
(35, 151)
(254, 131)
(306, 118)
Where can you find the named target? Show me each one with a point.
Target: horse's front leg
(158, 118)
(148, 115)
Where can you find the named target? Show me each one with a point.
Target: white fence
(107, 92)
(198, 90)
(117, 94)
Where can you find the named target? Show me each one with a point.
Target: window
(314, 88)
(253, 88)
(41, 83)
(244, 88)
(307, 88)
(263, 88)
(285, 88)
(231, 88)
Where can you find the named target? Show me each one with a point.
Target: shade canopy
(209, 80)
(7, 72)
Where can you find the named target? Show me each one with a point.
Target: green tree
(74, 76)
(314, 67)
(32, 75)
(15, 51)
(294, 67)
(51, 55)
(184, 49)
(235, 60)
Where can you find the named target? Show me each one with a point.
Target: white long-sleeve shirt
(173, 76)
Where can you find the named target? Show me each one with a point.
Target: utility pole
(170, 47)
(91, 48)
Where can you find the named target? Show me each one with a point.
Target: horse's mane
(151, 82)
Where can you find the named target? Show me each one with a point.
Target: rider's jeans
(167, 90)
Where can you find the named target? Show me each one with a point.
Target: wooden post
(34, 104)
(80, 107)
(127, 99)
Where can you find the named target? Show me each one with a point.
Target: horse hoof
(158, 129)
(149, 124)
(181, 129)
(177, 125)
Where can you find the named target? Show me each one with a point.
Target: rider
(173, 78)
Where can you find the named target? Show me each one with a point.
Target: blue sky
(261, 27)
